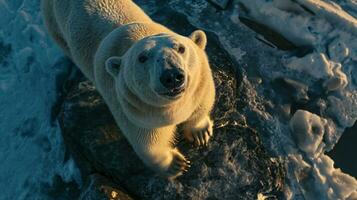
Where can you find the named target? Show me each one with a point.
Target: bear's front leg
(155, 148)
(198, 130)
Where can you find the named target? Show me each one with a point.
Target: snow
(32, 151)
(315, 64)
(331, 32)
(320, 180)
(318, 66)
(309, 130)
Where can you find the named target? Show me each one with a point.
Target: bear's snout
(173, 78)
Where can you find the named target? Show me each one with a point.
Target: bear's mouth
(174, 92)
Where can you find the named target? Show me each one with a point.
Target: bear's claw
(200, 137)
(179, 165)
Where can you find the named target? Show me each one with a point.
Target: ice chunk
(308, 130)
(318, 66)
(318, 179)
(338, 50)
(288, 19)
(338, 80)
(315, 64)
(339, 184)
(332, 12)
(344, 110)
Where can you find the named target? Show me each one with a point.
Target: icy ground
(302, 127)
(32, 154)
(304, 91)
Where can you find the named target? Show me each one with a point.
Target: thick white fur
(104, 39)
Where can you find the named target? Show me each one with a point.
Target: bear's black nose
(172, 78)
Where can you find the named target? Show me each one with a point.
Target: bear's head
(162, 69)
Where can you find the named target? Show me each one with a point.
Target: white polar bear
(151, 78)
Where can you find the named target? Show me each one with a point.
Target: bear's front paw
(178, 166)
(200, 134)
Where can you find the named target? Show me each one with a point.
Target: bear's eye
(142, 58)
(181, 49)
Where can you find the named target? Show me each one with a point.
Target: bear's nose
(172, 78)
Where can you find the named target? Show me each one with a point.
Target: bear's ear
(112, 65)
(199, 37)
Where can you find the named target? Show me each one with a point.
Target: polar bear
(155, 81)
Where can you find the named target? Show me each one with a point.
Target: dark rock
(235, 165)
(90, 129)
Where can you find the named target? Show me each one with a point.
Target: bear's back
(84, 23)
